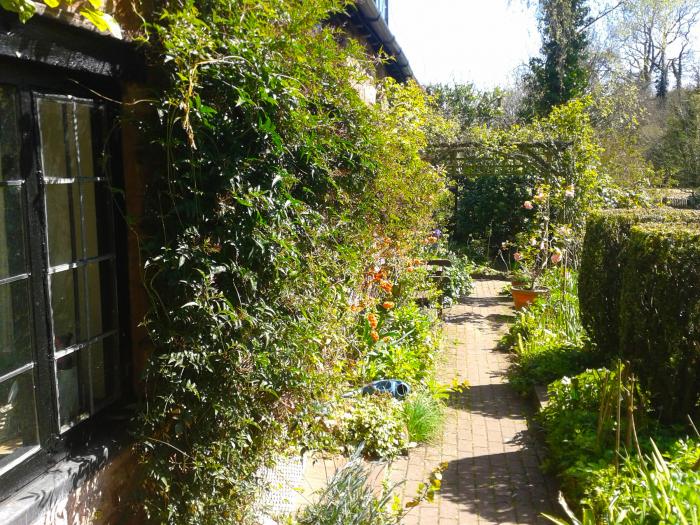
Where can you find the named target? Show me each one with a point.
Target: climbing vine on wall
(276, 181)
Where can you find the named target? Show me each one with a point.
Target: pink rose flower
(556, 257)
(527, 205)
(518, 256)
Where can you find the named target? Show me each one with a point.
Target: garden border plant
(277, 186)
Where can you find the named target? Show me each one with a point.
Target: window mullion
(45, 377)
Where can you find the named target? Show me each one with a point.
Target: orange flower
(373, 321)
(410, 269)
(417, 262)
(388, 305)
(374, 335)
(386, 286)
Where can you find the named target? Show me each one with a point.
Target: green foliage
(635, 489)
(407, 348)
(547, 337)
(646, 492)
(618, 114)
(602, 265)
(92, 10)
(456, 279)
(660, 315)
(465, 105)
(376, 423)
(500, 170)
(562, 73)
(424, 416)
(349, 499)
(278, 189)
(489, 208)
(677, 154)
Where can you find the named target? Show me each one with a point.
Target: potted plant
(536, 250)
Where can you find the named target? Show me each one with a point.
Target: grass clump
(424, 416)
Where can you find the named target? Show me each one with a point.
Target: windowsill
(26, 453)
(54, 486)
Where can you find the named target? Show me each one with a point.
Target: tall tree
(654, 38)
(562, 72)
(468, 106)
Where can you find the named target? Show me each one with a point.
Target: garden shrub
(571, 421)
(375, 423)
(660, 315)
(489, 208)
(407, 346)
(457, 279)
(350, 499)
(277, 190)
(602, 263)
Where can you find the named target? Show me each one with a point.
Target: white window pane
(18, 431)
(103, 359)
(73, 388)
(102, 300)
(97, 206)
(69, 308)
(12, 243)
(59, 154)
(83, 115)
(15, 326)
(9, 135)
(63, 221)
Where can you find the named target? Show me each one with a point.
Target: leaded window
(58, 307)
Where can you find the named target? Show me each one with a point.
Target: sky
(478, 41)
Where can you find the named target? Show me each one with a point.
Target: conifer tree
(562, 72)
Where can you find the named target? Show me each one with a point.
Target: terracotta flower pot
(523, 297)
(518, 283)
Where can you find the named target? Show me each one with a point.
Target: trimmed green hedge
(600, 275)
(660, 315)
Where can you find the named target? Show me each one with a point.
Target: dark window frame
(31, 79)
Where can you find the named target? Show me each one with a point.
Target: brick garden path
(493, 474)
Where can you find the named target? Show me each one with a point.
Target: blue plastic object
(395, 387)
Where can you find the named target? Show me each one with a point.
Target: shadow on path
(505, 490)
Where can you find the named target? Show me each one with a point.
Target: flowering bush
(504, 177)
(544, 244)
